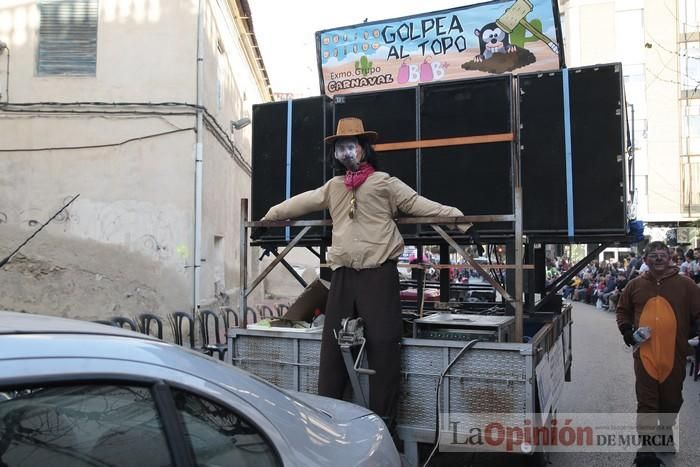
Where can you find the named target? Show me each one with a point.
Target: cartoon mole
(492, 40)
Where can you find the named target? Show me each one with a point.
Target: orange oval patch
(658, 352)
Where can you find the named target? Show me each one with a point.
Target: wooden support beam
(442, 142)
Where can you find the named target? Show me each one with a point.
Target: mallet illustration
(516, 15)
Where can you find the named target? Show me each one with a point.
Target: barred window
(67, 37)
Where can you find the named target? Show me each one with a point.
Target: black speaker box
(286, 164)
(542, 161)
(466, 108)
(597, 124)
(595, 100)
(476, 178)
(269, 159)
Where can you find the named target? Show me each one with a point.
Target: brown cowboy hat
(351, 126)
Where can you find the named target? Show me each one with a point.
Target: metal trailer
(491, 377)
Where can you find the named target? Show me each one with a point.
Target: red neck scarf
(355, 179)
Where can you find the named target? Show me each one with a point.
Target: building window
(690, 126)
(690, 185)
(690, 68)
(67, 37)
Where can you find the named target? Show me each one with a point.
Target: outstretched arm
(303, 203)
(410, 202)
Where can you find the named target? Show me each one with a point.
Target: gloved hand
(477, 241)
(627, 334)
(257, 232)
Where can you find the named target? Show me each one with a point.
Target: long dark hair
(370, 156)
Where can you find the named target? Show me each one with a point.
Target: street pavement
(602, 381)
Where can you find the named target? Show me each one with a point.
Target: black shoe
(647, 459)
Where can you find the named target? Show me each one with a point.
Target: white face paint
(349, 152)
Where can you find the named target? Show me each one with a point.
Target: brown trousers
(373, 295)
(664, 399)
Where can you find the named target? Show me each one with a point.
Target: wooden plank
(442, 142)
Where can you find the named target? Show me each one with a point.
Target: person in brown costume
(669, 304)
(366, 244)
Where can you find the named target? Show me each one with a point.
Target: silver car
(77, 393)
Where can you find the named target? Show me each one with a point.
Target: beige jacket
(371, 237)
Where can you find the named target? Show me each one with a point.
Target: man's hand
(477, 241)
(627, 334)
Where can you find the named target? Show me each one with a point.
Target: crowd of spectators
(600, 283)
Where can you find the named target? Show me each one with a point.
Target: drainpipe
(4, 47)
(198, 162)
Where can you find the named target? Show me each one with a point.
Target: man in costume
(669, 304)
(366, 244)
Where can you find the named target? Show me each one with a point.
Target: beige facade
(124, 137)
(658, 45)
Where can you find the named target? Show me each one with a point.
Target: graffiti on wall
(67, 215)
(139, 226)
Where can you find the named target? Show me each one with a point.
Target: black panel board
(269, 158)
(392, 113)
(597, 144)
(466, 108)
(308, 162)
(542, 161)
(475, 178)
(598, 148)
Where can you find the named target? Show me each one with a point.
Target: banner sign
(501, 36)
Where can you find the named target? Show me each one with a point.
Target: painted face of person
(349, 152)
(659, 260)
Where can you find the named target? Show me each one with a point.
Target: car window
(220, 437)
(97, 425)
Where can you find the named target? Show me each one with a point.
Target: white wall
(136, 203)
(143, 54)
